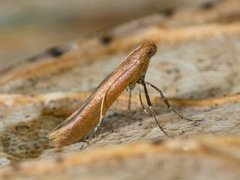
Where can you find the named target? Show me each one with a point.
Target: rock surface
(196, 66)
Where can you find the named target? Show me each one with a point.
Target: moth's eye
(150, 53)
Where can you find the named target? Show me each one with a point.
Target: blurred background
(29, 27)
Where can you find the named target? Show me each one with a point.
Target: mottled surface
(198, 158)
(196, 60)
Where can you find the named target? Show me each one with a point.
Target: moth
(130, 72)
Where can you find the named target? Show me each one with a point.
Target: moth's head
(148, 49)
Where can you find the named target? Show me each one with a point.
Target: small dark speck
(197, 123)
(34, 58)
(157, 141)
(27, 116)
(200, 60)
(207, 5)
(21, 127)
(106, 40)
(168, 12)
(54, 108)
(55, 51)
(168, 71)
(59, 159)
(32, 80)
(36, 146)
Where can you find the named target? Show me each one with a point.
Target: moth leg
(130, 88)
(129, 99)
(141, 102)
(101, 114)
(150, 106)
(167, 103)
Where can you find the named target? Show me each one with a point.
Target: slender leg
(167, 103)
(101, 113)
(150, 106)
(130, 88)
(129, 99)
(141, 102)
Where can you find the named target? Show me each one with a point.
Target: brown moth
(130, 72)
